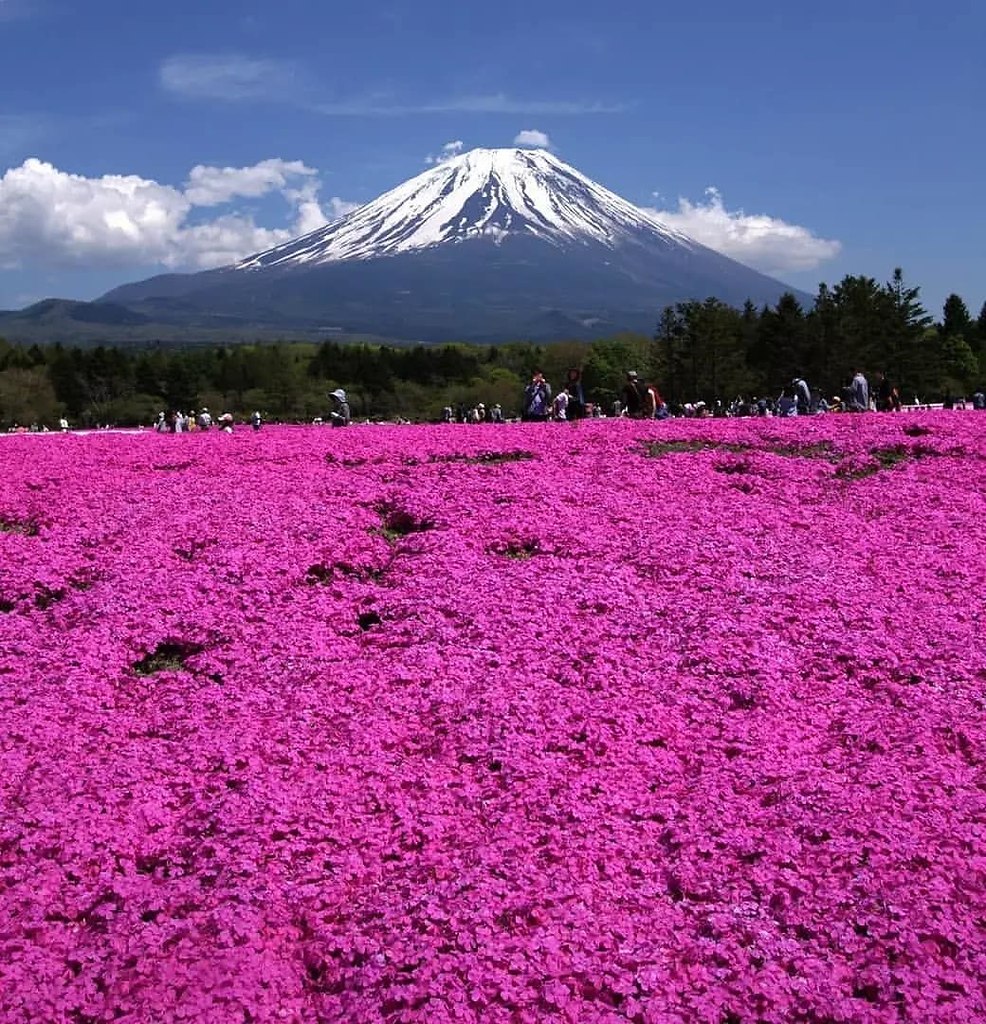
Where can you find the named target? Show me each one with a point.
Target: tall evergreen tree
(956, 318)
(782, 343)
(913, 350)
(979, 342)
(667, 360)
(820, 369)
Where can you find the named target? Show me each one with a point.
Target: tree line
(705, 351)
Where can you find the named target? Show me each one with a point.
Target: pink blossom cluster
(609, 721)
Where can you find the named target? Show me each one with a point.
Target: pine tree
(822, 331)
(782, 343)
(914, 355)
(667, 363)
(956, 318)
(979, 340)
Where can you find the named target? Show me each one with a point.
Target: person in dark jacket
(634, 395)
(537, 399)
(340, 415)
(576, 394)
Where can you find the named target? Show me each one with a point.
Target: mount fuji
(492, 245)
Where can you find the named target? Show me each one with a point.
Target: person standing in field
(559, 408)
(537, 399)
(340, 415)
(634, 396)
(859, 393)
(802, 395)
(576, 394)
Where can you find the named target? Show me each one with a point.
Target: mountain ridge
(491, 245)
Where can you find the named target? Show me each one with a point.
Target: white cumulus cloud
(532, 137)
(49, 217)
(448, 152)
(211, 186)
(758, 240)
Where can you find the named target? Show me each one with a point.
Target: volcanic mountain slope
(491, 245)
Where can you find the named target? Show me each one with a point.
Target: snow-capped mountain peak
(492, 193)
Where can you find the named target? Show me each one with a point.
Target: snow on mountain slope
(489, 193)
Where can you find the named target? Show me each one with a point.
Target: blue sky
(844, 138)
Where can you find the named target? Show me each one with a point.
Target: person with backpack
(537, 399)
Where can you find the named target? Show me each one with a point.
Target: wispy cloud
(232, 77)
(236, 76)
(495, 103)
(14, 10)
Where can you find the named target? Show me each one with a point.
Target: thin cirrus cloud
(233, 77)
(52, 218)
(766, 243)
(495, 103)
(13, 10)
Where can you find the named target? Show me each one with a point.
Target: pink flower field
(609, 721)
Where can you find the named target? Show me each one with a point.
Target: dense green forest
(699, 351)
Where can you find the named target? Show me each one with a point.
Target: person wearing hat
(634, 395)
(340, 415)
(205, 419)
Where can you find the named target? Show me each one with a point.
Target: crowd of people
(638, 399)
(177, 422)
